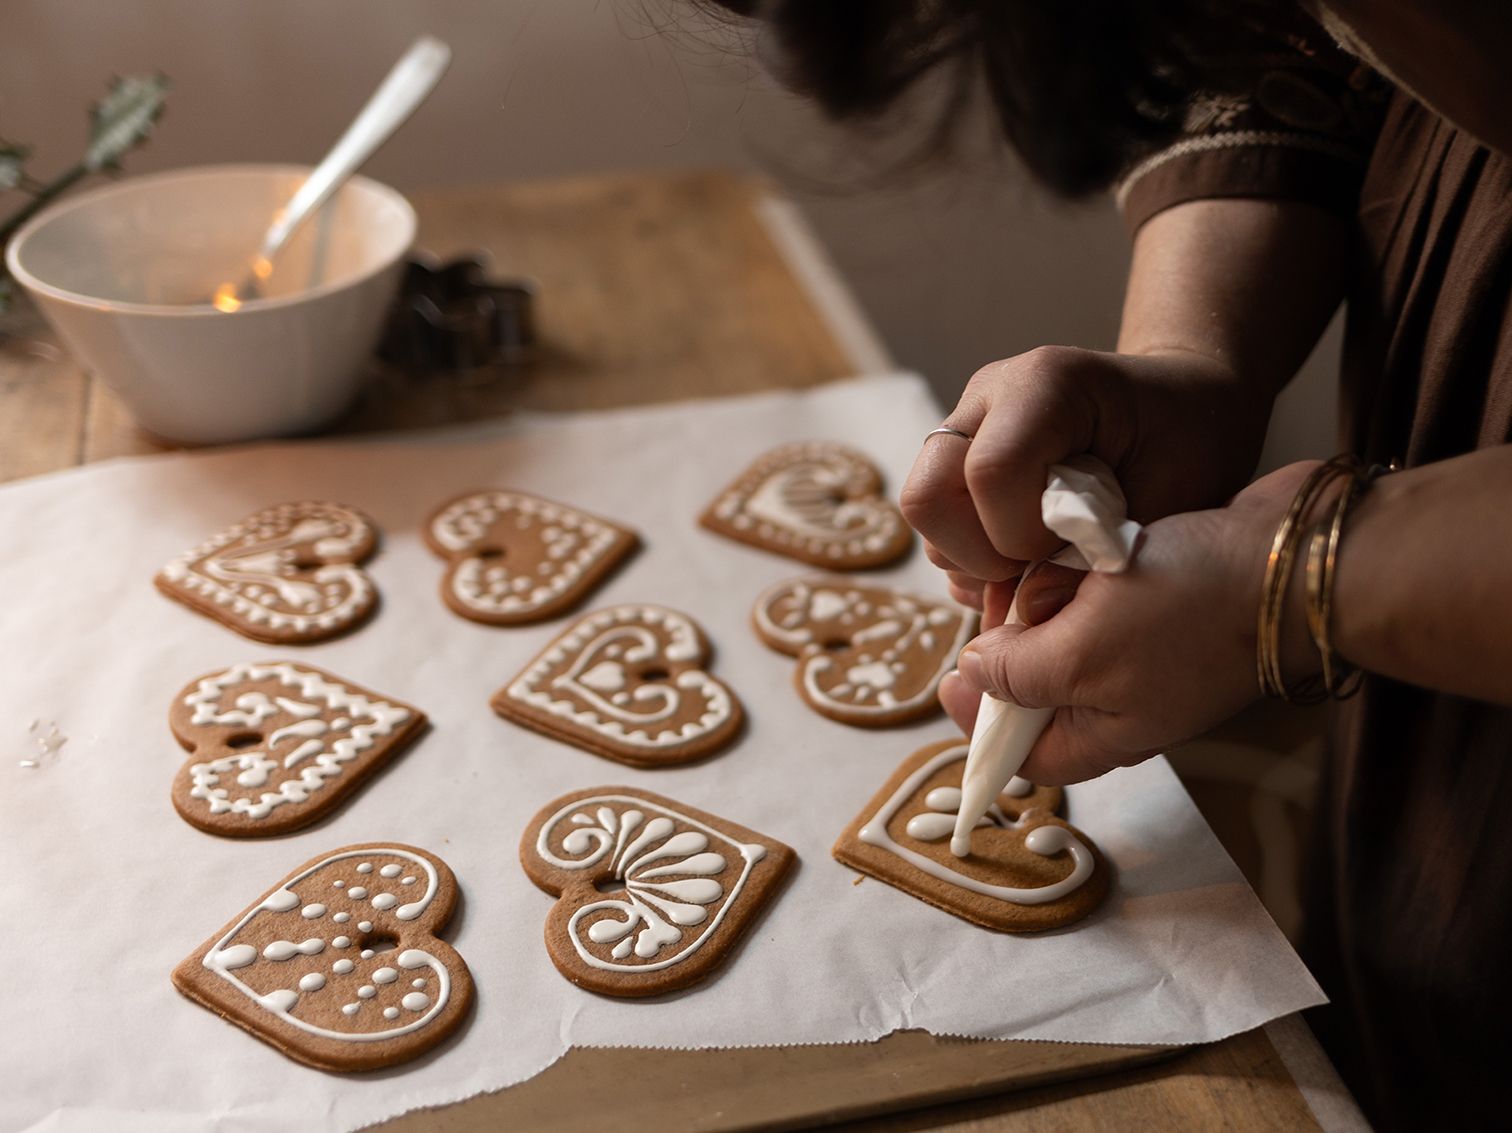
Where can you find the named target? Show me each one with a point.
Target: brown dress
(1409, 924)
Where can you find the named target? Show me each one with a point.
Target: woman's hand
(1180, 431)
(1139, 661)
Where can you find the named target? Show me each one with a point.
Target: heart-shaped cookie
(277, 745)
(513, 558)
(338, 965)
(286, 575)
(1027, 869)
(629, 683)
(653, 894)
(867, 655)
(814, 501)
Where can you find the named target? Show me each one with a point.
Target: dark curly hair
(1082, 88)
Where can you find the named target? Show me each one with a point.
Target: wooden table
(654, 288)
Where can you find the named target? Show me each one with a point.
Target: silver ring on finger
(946, 430)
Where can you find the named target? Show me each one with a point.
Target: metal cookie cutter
(452, 316)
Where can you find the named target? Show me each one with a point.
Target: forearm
(1424, 587)
(1248, 285)
(1225, 299)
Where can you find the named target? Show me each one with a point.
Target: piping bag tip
(1000, 742)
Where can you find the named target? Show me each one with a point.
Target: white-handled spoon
(405, 88)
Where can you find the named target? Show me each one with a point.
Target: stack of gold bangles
(1338, 679)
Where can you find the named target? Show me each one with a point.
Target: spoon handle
(406, 86)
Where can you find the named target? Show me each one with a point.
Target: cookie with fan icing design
(514, 558)
(287, 575)
(652, 895)
(629, 683)
(1027, 870)
(338, 965)
(871, 656)
(275, 746)
(815, 501)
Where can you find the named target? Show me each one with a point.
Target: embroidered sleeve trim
(1234, 140)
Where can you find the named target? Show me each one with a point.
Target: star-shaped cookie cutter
(451, 316)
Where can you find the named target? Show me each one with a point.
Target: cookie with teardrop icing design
(1027, 870)
(339, 965)
(652, 895)
(287, 575)
(871, 656)
(514, 558)
(277, 745)
(630, 683)
(815, 501)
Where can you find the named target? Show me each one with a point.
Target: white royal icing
(605, 647)
(878, 635)
(225, 958)
(320, 749)
(1046, 840)
(250, 569)
(813, 495)
(573, 542)
(670, 876)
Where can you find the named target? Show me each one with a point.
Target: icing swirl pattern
(626, 682)
(647, 886)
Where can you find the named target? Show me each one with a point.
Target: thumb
(1024, 665)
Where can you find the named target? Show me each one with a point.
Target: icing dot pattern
(515, 558)
(371, 990)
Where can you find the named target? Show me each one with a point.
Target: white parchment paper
(104, 889)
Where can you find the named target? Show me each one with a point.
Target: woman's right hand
(1179, 430)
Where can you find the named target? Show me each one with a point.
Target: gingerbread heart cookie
(513, 558)
(628, 683)
(814, 501)
(653, 895)
(1027, 869)
(277, 745)
(338, 965)
(867, 655)
(286, 576)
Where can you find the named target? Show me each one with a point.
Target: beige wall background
(955, 267)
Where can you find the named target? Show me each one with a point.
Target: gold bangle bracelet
(1341, 679)
(1322, 566)
(1277, 581)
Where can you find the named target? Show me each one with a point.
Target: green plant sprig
(119, 122)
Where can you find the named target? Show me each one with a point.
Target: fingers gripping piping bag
(1084, 505)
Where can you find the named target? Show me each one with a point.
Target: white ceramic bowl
(125, 273)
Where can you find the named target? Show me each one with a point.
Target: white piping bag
(1084, 505)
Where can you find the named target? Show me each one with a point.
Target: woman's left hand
(1139, 661)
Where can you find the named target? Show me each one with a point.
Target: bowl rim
(61, 208)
